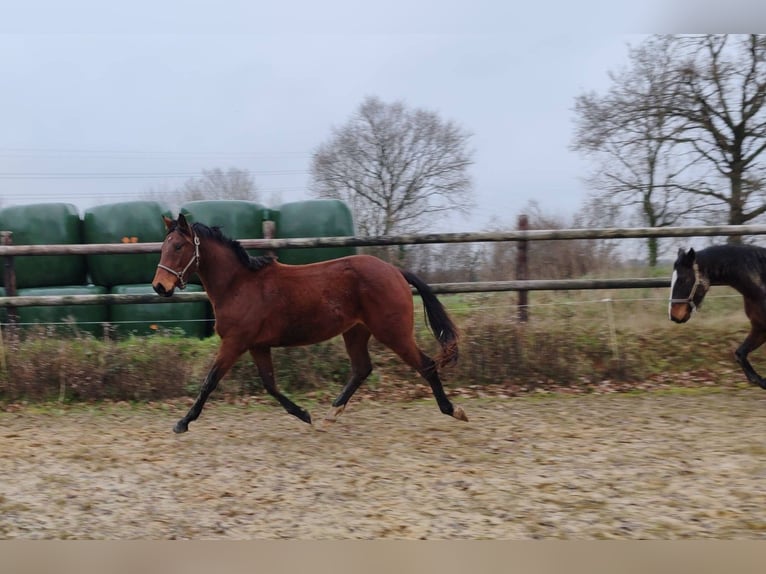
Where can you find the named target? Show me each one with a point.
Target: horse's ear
(686, 256)
(168, 222)
(182, 224)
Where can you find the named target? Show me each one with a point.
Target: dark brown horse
(742, 267)
(260, 303)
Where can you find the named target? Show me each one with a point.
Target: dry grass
(574, 340)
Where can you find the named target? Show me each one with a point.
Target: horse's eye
(178, 246)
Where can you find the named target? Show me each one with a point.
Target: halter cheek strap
(180, 274)
(697, 283)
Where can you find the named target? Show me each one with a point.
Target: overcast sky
(102, 103)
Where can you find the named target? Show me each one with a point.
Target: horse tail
(437, 320)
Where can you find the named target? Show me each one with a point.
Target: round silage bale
(64, 319)
(45, 224)
(124, 222)
(313, 218)
(237, 219)
(192, 318)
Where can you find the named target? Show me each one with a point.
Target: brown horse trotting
(742, 267)
(260, 303)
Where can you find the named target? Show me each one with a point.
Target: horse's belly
(301, 322)
(307, 333)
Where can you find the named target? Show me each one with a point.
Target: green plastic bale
(125, 222)
(193, 318)
(45, 224)
(238, 219)
(65, 319)
(313, 218)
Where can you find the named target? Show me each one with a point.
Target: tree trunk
(652, 245)
(736, 207)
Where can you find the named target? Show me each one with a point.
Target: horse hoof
(459, 414)
(304, 416)
(180, 427)
(334, 413)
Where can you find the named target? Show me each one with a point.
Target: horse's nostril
(159, 289)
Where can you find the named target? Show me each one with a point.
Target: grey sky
(121, 101)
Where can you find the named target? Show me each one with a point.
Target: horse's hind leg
(428, 372)
(262, 358)
(426, 367)
(356, 340)
(754, 339)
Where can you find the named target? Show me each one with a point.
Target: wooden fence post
(522, 270)
(9, 276)
(269, 227)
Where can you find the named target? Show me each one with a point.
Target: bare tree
(681, 133)
(216, 183)
(395, 167)
(721, 104)
(633, 139)
(601, 211)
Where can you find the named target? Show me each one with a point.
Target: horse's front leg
(754, 339)
(262, 358)
(224, 360)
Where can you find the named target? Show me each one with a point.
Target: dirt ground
(657, 465)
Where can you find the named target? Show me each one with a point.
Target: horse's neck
(712, 273)
(726, 275)
(218, 267)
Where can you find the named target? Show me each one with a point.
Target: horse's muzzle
(159, 288)
(680, 312)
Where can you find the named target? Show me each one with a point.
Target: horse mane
(214, 233)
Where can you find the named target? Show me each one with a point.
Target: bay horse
(742, 267)
(260, 303)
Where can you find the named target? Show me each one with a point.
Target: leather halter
(192, 261)
(690, 299)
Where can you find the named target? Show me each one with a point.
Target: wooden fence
(9, 251)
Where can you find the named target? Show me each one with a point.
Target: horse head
(688, 286)
(179, 256)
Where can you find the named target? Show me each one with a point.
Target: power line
(128, 154)
(119, 175)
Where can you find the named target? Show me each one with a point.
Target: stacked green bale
(65, 319)
(124, 222)
(237, 219)
(193, 318)
(313, 218)
(52, 275)
(126, 274)
(45, 224)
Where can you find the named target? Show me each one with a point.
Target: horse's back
(352, 281)
(368, 271)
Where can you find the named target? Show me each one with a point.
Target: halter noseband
(697, 282)
(192, 261)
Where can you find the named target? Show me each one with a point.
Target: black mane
(214, 233)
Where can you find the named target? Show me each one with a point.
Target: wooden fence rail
(471, 287)
(522, 235)
(301, 243)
